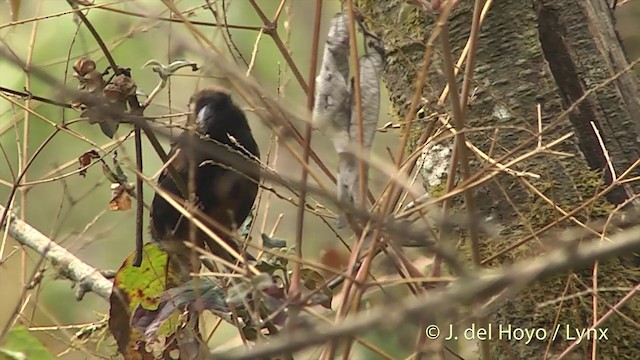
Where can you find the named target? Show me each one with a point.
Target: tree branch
(86, 277)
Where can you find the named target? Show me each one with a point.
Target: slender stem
(271, 29)
(294, 290)
(97, 37)
(362, 180)
(353, 45)
(28, 95)
(25, 145)
(139, 198)
(174, 20)
(461, 146)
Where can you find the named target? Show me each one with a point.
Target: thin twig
(295, 287)
(461, 146)
(28, 95)
(329, 353)
(271, 28)
(362, 175)
(97, 37)
(174, 20)
(139, 199)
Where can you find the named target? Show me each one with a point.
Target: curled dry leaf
(348, 174)
(121, 190)
(92, 82)
(119, 89)
(85, 160)
(332, 99)
(83, 66)
(165, 71)
(334, 111)
(108, 100)
(120, 198)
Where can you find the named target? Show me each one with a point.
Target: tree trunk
(550, 53)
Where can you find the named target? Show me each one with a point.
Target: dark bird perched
(222, 153)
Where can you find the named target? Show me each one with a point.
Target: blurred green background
(74, 211)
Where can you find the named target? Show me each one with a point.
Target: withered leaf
(312, 280)
(120, 88)
(79, 106)
(120, 199)
(83, 66)
(91, 82)
(85, 160)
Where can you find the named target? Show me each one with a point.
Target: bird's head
(214, 111)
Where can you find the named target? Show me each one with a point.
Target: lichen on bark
(514, 74)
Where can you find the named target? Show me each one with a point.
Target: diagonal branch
(86, 277)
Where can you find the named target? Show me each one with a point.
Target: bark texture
(549, 53)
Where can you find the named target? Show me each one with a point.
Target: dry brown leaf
(120, 199)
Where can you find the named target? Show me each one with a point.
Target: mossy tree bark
(549, 53)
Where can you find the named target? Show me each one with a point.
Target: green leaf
(142, 286)
(109, 128)
(270, 243)
(119, 172)
(246, 226)
(196, 295)
(109, 174)
(238, 292)
(20, 344)
(312, 279)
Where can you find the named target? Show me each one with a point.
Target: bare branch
(86, 277)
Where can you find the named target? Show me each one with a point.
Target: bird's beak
(203, 114)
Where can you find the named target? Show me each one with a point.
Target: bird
(223, 155)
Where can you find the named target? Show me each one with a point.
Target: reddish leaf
(85, 160)
(334, 258)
